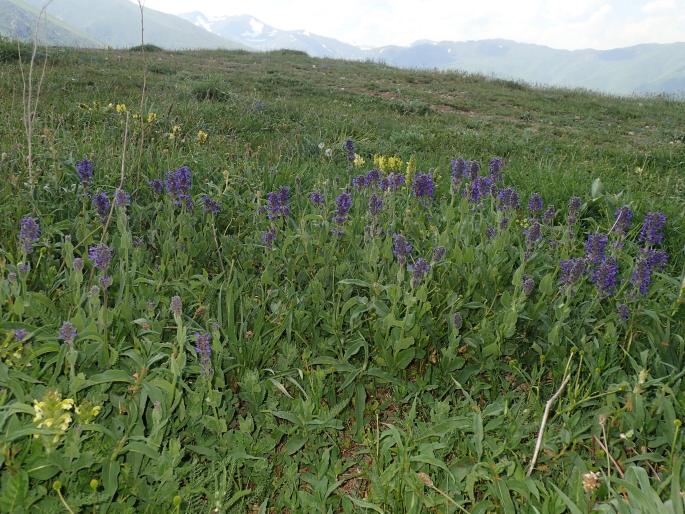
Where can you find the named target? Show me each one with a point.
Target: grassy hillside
(649, 68)
(18, 21)
(116, 23)
(217, 341)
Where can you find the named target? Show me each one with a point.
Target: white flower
(328, 152)
(321, 146)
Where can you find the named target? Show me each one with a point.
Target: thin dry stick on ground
(548, 407)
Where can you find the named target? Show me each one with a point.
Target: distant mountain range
(641, 69)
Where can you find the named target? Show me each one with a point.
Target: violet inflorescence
(651, 232)
(624, 217)
(419, 270)
(423, 186)
(375, 205)
(68, 333)
(343, 203)
(178, 184)
(203, 348)
(29, 232)
(101, 256)
(572, 270)
(649, 261)
(102, 205)
(401, 248)
(121, 198)
(278, 204)
(84, 170)
(210, 205)
(534, 204)
(316, 198)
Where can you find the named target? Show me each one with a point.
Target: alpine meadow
(239, 282)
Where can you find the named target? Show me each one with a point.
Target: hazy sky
(559, 23)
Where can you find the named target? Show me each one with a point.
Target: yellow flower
(202, 137)
(387, 164)
(136, 116)
(175, 132)
(151, 117)
(52, 412)
(358, 161)
(121, 108)
(411, 169)
(86, 412)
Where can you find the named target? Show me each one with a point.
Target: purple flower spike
(423, 186)
(650, 260)
(457, 320)
(548, 216)
(67, 333)
(343, 203)
(495, 167)
(316, 198)
(176, 306)
(623, 312)
(375, 205)
(508, 199)
(604, 276)
(121, 198)
(401, 248)
(29, 232)
(102, 205)
(349, 148)
(535, 204)
(84, 169)
(574, 205)
(652, 228)
(269, 237)
(203, 347)
(210, 205)
(533, 235)
(571, 271)
(595, 247)
(278, 204)
(624, 217)
(528, 285)
(438, 254)
(20, 334)
(157, 186)
(419, 270)
(101, 256)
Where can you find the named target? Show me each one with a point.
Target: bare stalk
(121, 181)
(29, 103)
(548, 407)
(141, 5)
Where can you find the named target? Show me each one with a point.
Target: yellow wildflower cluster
(151, 117)
(175, 132)
(358, 161)
(52, 412)
(411, 169)
(202, 137)
(11, 350)
(120, 108)
(387, 164)
(86, 412)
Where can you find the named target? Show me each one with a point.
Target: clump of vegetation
(147, 47)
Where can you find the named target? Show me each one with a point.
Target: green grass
(337, 384)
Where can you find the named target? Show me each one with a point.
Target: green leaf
(365, 505)
(15, 488)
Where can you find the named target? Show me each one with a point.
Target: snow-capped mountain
(254, 33)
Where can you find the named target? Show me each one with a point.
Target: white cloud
(559, 23)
